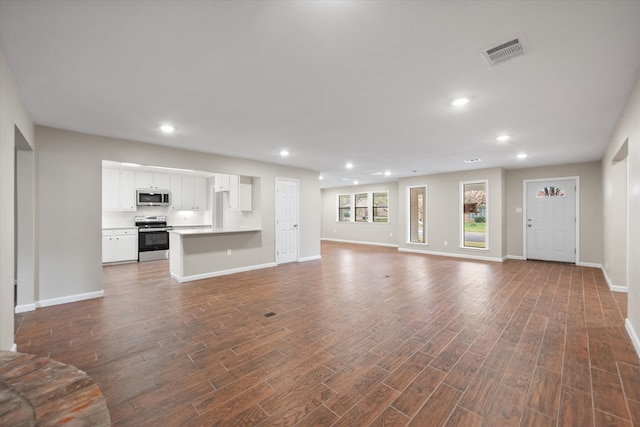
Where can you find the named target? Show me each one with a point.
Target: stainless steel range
(153, 238)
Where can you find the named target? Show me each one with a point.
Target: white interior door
(551, 220)
(287, 230)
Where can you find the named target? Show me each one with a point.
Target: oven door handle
(153, 230)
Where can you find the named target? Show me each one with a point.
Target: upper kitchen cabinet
(240, 192)
(221, 182)
(118, 190)
(189, 193)
(158, 181)
(176, 192)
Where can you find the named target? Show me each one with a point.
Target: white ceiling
(332, 81)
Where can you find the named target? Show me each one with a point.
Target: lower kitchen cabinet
(119, 245)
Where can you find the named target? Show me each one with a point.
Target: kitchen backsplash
(126, 219)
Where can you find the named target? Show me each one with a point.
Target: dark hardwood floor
(365, 336)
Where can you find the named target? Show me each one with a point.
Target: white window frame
(461, 215)
(426, 210)
(368, 207)
(352, 209)
(373, 215)
(351, 203)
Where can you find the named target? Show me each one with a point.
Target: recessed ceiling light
(348, 165)
(355, 182)
(460, 102)
(522, 155)
(473, 160)
(503, 138)
(167, 128)
(284, 153)
(321, 177)
(387, 173)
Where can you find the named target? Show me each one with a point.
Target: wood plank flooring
(365, 336)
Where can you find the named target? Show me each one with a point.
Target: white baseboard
(633, 335)
(310, 258)
(14, 347)
(589, 264)
(357, 242)
(69, 298)
(24, 308)
(612, 287)
(221, 272)
(452, 255)
(518, 257)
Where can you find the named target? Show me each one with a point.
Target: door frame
(276, 216)
(576, 179)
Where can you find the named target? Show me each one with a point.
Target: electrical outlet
(228, 251)
(446, 243)
(390, 234)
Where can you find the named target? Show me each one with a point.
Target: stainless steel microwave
(146, 197)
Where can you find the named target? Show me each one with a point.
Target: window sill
(362, 222)
(474, 249)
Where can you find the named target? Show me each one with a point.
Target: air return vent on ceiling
(504, 51)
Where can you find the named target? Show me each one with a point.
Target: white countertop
(120, 227)
(214, 230)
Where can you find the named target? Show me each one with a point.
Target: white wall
(615, 248)
(590, 232)
(69, 178)
(12, 115)
(361, 232)
(26, 251)
(628, 129)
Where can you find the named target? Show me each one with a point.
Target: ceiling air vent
(504, 51)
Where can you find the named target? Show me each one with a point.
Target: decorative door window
(550, 192)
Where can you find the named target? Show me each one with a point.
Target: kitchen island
(196, 254)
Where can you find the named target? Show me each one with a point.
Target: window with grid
(344, 207)
(381, 207)
(362, 207)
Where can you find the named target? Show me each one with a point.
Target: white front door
(287, 230)
(551, 220)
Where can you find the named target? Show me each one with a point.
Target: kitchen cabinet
(176, 192)
(200, 187)
(221, 182)
(119, 245)
(189, 193)
(118, 190)
(156, 181)
(240, 192)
